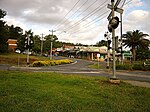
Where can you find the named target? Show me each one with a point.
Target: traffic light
(113, 23)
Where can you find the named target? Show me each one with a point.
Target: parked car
(46, 55)
(18, 51)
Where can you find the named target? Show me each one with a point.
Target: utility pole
(42, 44)
(28, 50)
(113, 42)
(51, 43)
(121, 38)
(113, 24)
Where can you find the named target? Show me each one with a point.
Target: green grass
(52, 92)
(100, 66)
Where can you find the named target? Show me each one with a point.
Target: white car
(18, 51)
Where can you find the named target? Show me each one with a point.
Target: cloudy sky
(76, 21)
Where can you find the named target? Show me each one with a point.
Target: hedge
(51, 62)
(136, 66)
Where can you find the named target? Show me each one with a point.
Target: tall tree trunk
(134, 53)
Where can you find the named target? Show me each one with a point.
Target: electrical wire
(95, 20)
(87, 16)
(68, 12)
(85, 9)
(73, 14)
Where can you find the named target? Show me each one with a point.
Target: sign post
(98, 56)
(111, 16)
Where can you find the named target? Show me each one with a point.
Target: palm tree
(135, 40)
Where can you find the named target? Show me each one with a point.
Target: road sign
(127, 54)
(116, 4)
(116, 9)
(98, 55)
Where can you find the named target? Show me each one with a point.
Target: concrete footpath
(140, 74)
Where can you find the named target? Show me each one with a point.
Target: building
(89, 53)
(12, 44)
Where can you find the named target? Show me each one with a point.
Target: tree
(101, 43)
(37, 44)
(22, 42)
(2, 13)
(3, 32)
(47, 43)
(135, 40)
(143, 54)
(15, 32)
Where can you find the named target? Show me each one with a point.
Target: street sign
(119, 10)
(116, 4)
(127, 54)
(98, 55)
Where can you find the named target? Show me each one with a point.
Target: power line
(88, 15)
(100, 18)
(73, 13)
(128, 2)
(68, 13)
(89, 28)
(86, 8)
(95, 20)
(89, 24)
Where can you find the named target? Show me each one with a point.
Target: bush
(124, 67)
(138, 66)
(51, 62)
(135, 66)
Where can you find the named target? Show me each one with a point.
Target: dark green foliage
(134, 66)
(15, 32)
(101, 43)
(135, 40)
(143, 54)
(2, 13)
(3, 33)
(124, 67)
(138, 66)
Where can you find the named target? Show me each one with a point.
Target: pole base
(28, 64)
(107, 67)
(114, 80)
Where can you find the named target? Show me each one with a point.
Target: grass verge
(52, 92)
(14, 59)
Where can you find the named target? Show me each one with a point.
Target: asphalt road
(82, 67)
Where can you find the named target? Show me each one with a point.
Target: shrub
(37, 63)
(135, 66)
(138, 66)
(124, 67)
(51, 62)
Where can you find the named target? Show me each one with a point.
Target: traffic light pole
(113, 43)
